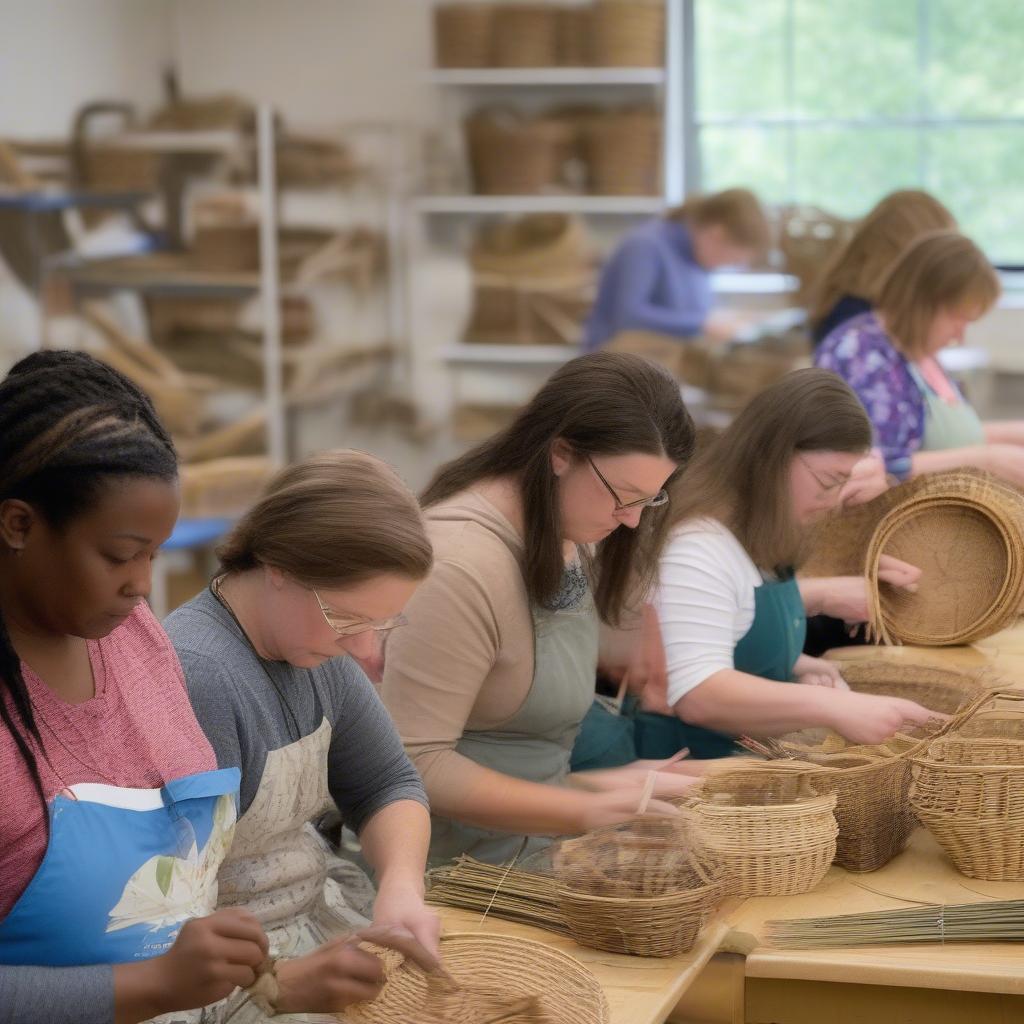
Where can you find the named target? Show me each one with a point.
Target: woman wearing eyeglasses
(310, 577)
(540, 534)
(732, 612)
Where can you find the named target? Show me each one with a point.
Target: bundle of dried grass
(995, 921)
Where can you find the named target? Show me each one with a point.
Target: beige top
(465, 660)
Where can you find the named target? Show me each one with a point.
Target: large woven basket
(497, 973)
(526, 35)
(947, 690)
(623, 150)
(964, 529)
(575, 36)
(763, 847)
(968, 790)
(463, 35)
(510, 154)
(629, 33)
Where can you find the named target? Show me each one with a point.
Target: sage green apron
(536, 742)
(769, 649)
(946, 425)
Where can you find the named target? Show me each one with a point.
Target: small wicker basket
(526, 35)
(575, 36)
(463, 35)
(629, 33)
(623, 150)
(510, 154)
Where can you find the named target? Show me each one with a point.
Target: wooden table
(922, 984)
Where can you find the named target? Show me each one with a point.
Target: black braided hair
(68, 425)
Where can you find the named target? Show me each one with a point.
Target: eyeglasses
(625, 506)
(825, 488)
(352, 627)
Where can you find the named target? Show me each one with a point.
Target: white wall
(56, 55)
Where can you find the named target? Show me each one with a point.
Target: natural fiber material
(629, 33)
(761, 846)
(510, 154)
(963, 529)
(463, 35)
(946, 690)
(993, 921)
(968, 790)
(526, 35)
(623, 151)
(808, 237)
(223, 487)
(501, 979)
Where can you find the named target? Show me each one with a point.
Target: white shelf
(473, 77)
(509, 355)
(615, 205)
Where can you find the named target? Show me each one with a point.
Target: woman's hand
(599, 809)
(846, 597)
(340, 972)
(211, 957)
(401, 906)
(867, 718)
(818, 672)
(868, 480)
(671, 780)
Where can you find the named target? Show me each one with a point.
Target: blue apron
(769, 649)
(123, 870)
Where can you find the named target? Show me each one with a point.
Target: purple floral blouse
(859, 350)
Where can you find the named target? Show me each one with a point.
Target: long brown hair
(333, 520)
(602, 404)
(736, 210)
(860, 266)
(742, 477)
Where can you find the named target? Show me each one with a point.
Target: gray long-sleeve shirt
(245, 718)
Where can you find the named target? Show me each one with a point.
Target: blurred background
(379, 223)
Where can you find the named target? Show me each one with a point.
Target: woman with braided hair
(113, 815)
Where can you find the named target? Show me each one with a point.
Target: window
(836, 102)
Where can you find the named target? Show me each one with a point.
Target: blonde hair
(736, 210)
(860, 266)
(942, 270)
(333, 520)
(742, 477)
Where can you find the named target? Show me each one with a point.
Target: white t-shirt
(705, 602)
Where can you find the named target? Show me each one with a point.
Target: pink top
(137, 731)
(937, 380)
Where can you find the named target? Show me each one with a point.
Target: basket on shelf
(513, 154)
(763, 841)
(946, 690)
(639, 888)
(575, 36)
(628, 33)
(964, 529)
(463, 34)
(968, 790)
(623, 150)
(808, 237)
(223, 487)
(514, 980)
(525, 35)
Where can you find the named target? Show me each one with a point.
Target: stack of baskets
(964, 529)
(767, 833)
(968, 790)
(533, 281)
(606, 33)
(637, 888)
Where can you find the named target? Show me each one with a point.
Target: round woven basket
(652, 926)
(575, 36)
(623, 151)
(463, 34)
(629, 33)
(767, 848)
(968, 790)
(526, 36)
(497, 973)
(514, 155)
(938, 689)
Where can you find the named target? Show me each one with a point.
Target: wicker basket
(526, 36)
(968, 790)
(463, 34)
(623, 151)
(223, 487)
(510, 154)
(808, 237)
(763, 847)
(575, 36)
(946, 690)
(497, 973)
(629, 33)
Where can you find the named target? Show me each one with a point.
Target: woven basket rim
(698, 893)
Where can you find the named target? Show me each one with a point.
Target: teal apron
(769, 649)
(123, 870)
(946, 425)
